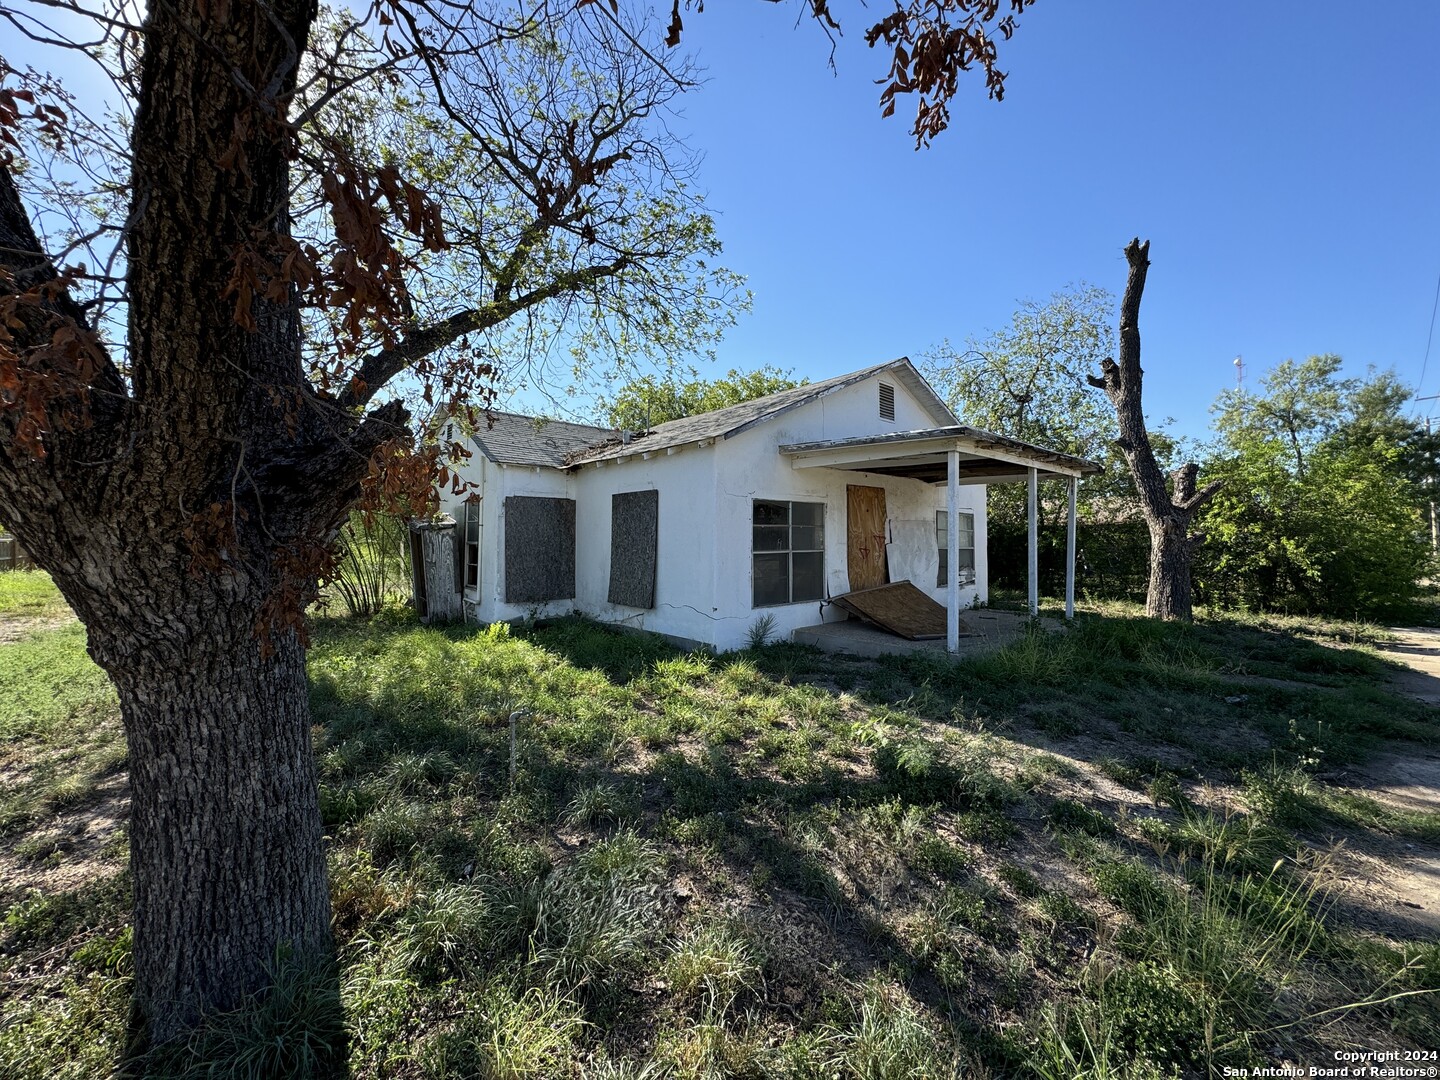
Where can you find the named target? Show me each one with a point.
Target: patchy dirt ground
(14, 627)
(1403, 877)
(1418, 648)
(75, 844)
(74, 847)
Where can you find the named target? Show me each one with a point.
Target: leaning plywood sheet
(539, 549)
(900, 608)
(913, 553)
(634, 538)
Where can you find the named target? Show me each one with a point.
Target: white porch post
(952, 552)
(1073, 483)
(1032, 508)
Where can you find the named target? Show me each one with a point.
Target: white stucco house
(699, 527)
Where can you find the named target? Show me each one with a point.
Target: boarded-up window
(539, 549)
(634, 542)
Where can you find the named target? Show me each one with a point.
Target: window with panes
(966, 530)
(472, 544)
(787, 552)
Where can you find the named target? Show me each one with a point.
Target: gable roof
(723, 423)
(512, 439)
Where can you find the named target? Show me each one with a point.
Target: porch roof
(985, 457)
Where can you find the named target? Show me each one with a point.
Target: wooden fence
(12, 555)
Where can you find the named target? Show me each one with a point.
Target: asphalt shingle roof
(511, 439)
(722, 422)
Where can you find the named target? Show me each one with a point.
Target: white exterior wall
(684, 607)
(749, 467)
(685, 544)
(703, 588)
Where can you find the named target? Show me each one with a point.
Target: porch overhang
(961, 455)
(984, 457)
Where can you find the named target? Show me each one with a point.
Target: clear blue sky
(1283, 159)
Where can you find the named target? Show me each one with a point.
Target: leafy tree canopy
(1028, 380)
(648, 400)
(1323, 480)
(1305, 403)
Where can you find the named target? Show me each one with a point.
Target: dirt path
(1417, 647)
(1410, 871)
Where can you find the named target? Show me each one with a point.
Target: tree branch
(1201, 497)
(1138, 256)
(23, 260)
(380, 367)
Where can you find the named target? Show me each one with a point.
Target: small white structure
(701, 527)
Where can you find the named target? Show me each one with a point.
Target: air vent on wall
(887, 401)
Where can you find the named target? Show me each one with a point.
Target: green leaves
(647, 400)
(1319, 510)
(1027, 380)
(1341, 538)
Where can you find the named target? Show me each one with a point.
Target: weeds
(710, 867)
(712, 966)
(291, 1030)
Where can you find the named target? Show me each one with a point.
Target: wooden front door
(865, 535)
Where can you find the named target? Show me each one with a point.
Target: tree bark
(1168, 512)
(227, 854)
(179, 509)
(1169, 593)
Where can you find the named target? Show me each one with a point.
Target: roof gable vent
(887, 401)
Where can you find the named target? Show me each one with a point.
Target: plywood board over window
(634, 546)
(539, 549)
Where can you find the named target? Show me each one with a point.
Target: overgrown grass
(59, 731)
(50, 690)
(723, 867)
(29, 593)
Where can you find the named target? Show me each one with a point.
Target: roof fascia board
(862, 453)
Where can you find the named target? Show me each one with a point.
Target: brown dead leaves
(49, 120)
(934, 41)
(48, 361)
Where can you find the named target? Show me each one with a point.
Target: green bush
(1342, 538)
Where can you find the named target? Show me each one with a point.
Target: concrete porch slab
(991, 629)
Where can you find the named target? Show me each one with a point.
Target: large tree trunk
(1168, 512)
(183, 508)
(1168, 596)
(227, 855)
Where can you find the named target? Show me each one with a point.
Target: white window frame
(942, 539)
(789, 550)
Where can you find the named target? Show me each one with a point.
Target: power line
(1429, 337)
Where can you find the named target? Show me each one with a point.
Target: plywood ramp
(900, 608)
